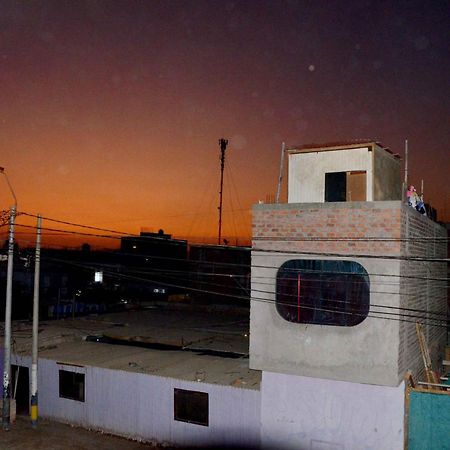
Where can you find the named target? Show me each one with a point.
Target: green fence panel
(429, 421)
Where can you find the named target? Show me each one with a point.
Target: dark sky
(110, 111)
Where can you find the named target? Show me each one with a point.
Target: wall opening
(346, 186)
(336, 187)
(323, 292)
(21, 388)
(191, 407)
(71, 385)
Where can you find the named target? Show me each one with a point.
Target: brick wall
(422, 288)
(342, 228)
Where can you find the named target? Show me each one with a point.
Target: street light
(2, 170)
(7, 337)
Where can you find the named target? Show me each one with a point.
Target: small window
(191, 407)
(323, 292)
(71, 385)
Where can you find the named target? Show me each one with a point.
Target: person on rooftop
(415, 201)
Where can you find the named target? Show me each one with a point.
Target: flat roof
(208, 346)
(339, 145)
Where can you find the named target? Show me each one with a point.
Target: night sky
(111, 111)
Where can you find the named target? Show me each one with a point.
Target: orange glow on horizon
(111, 113)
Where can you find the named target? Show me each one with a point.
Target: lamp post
(8, 307)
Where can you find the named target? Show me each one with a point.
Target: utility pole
(8, 308)
(7, 337)
(34, 360)
(223, 146)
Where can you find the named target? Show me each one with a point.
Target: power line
(281, 252)
(78, 225)
(353, 255)
(253, 266)
(255, 298)
(130, 276)
(81, 233)
(267, 238)
(261, 299)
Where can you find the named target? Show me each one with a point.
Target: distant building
(157, 245)
(155, 263)
(220, 274)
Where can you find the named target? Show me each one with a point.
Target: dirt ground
(57, 436)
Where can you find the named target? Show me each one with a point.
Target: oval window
(323, 292)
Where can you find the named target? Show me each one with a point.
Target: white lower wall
(316, 414)
(290, 411)
(141, 406)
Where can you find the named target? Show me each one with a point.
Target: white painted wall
(290, 411)
(141, 406)
(306, 183)
(316, 414)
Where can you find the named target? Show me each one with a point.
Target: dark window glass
(71, 385)
(323, 292)
(191, 406)
(336, 187)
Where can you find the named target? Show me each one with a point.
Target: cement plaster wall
(315, 414)
(365, 353)
(387, 183)
(384, 237)
(306, 182)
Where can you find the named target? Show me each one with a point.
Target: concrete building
(337, 286)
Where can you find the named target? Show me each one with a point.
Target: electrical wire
(77, 224)
(353, 255)
(167, 284)
(400, 318)
(267, 238)
(282, 253)
(253, 266)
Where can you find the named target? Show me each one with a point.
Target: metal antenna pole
(405, 181)
(223, 146)
(406, 163)
(34, 361)
(7, 337)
